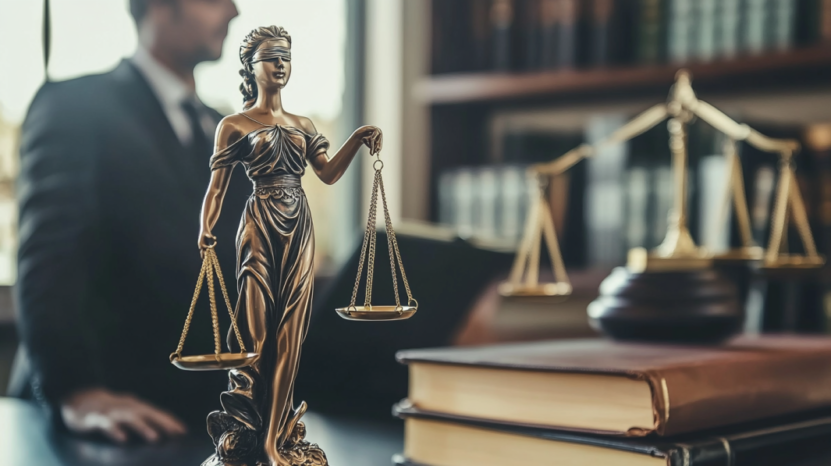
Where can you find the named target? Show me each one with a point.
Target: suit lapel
(140, 99)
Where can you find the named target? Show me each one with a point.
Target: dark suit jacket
(109, 220)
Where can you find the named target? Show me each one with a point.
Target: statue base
(700, 306)
(297, 451)
(237, 445)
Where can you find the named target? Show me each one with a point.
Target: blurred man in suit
(114, 169)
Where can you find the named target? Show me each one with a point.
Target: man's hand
(116, 415)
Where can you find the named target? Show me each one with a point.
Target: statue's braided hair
(246, 54)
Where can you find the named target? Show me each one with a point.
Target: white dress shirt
(172, 92)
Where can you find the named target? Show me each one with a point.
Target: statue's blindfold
(271, 53)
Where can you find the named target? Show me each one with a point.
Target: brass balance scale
(210, 266)
(678, 252)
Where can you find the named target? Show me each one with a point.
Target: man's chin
(210, 55)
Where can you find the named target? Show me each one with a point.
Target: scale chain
(210, 264)
(212, 299)
(189, 318)
(221, 279)
(370, 224)
(390, 238)
(369, 245)
(370, 267)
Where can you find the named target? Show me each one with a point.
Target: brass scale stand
(678, 252)
(210, 266)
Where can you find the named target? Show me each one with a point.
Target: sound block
(687, 307)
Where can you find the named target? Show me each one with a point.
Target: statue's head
(265, 54)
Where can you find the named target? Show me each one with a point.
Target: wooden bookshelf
(787, 69)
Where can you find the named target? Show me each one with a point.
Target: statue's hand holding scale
(259, 424)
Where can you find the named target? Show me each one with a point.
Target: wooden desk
(26, 439)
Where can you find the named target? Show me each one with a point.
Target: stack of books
(753, 401)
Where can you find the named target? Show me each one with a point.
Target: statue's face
(274, 72)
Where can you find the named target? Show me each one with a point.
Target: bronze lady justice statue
(275, 248)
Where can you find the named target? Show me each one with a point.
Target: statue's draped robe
(275, 251)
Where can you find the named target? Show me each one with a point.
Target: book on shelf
(502, 19)
(480, 51)
(550, 20)
(532, 35)
(714, 213)
(600, 25)
(728, 23)
(704, 16)
(605, 197)
(532, 22)
(623, 389)
(651, 44)
(491, 201)
(550, 32)
(783, 21)
(825, 21)
(679, 31)
(488, 202)
(755, 18)
(818, 146)
(568, 33)
(435, 439)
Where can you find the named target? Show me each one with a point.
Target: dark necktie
(200, 145)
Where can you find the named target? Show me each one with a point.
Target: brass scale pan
(368, 312)
(218, 360)
(210, 265)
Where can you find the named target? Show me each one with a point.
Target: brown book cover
(690, 388)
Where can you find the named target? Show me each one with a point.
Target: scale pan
(508, 289)
(213, 362)
(377, 312)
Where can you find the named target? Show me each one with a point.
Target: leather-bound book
(625, 389)
(568, 34)
(651, 44)
(600, 25)
(438, 440)
(502, 18)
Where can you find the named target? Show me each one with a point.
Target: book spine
(446, 199)
(637, 206)
(825, 21)
(728, 20)
(817, 142)
(789, 444)
(755, 22)
(531, 31)
(567, 34)
(679, 28)
(714, 230)
(600, 25)
(605, 200)
(513, 202)
(705, 34)
(549, 33)
(479, 11)
(783, 18)
(487, 191)
(502, 14)
(650, 30)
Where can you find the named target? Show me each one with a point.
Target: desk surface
(26, 439)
